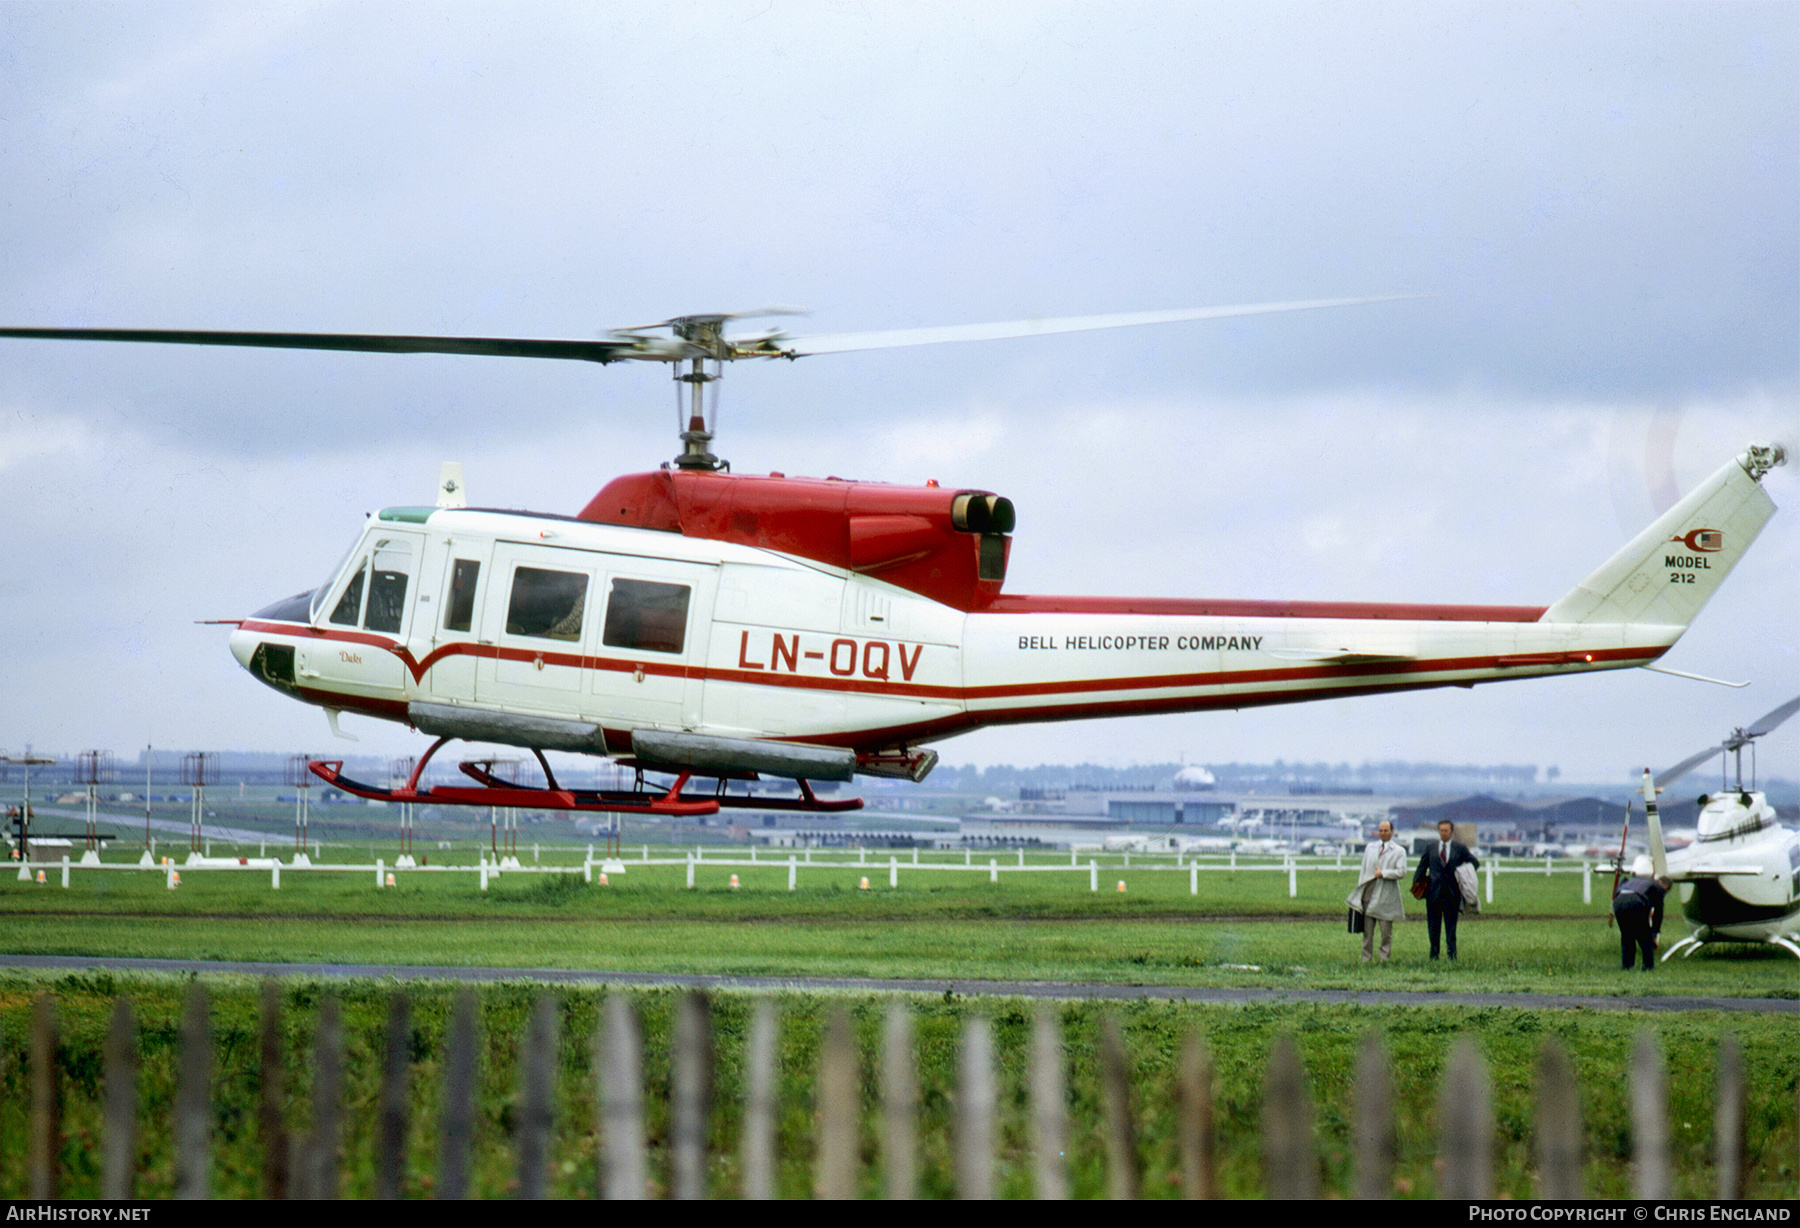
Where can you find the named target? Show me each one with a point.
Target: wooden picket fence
(307, 1165)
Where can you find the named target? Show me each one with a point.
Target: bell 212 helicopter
(1739, 881)
(702, 623)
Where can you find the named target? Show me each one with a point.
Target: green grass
(1241, 930)
(1417, 1039)
(937, 924)
(939, 887)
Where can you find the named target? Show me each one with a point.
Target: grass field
(1242, 929)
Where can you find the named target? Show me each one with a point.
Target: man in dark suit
(1638, 907)
(1443, 898)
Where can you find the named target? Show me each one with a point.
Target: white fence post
(893, 871)
(993, 870)
(793, 871)
(1093, 875)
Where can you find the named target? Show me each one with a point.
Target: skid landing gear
(492, 790)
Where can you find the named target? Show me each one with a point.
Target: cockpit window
(387, 586)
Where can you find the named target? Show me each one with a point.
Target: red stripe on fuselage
(1189, 607)
(418, 668)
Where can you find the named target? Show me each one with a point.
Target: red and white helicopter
(699, 622)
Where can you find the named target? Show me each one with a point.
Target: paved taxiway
(822, 984)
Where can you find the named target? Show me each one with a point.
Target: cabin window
(647, 616)
(390, 568)
(349, 607)
(459, 613)
(546, 604)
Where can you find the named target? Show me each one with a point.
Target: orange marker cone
(1121, 886)
(734, 882)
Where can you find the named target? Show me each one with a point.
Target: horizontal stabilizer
(1669, 570)
(1715, 869)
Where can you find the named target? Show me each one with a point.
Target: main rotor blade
(839, 343)
(1774, 718)
(498, 347)
(1671, 775)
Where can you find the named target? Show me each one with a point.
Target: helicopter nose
(243, 643)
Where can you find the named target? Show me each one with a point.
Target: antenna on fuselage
(451, 492)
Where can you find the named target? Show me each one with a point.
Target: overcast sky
(1605, 198)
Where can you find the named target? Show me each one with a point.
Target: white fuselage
(1740, 879)
(565, 620)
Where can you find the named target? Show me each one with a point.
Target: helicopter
(698, 623)
(1739, 881)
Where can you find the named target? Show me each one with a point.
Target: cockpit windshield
(337, 569)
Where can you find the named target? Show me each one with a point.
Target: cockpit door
(366, 614)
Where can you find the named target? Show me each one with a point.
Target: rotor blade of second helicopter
(370, 343)
(839, 343)
(1671, 775)
(1774, 718)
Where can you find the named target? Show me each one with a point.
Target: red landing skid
(495, 791)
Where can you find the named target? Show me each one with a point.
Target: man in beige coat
(1377, 894)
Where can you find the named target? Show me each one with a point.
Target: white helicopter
(703, 623)
(1739, 881)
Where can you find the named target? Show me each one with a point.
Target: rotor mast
(705, 333)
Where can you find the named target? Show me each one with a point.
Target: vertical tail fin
(1667, 572)
(1659, 856)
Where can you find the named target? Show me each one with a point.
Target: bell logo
(1705, 541)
